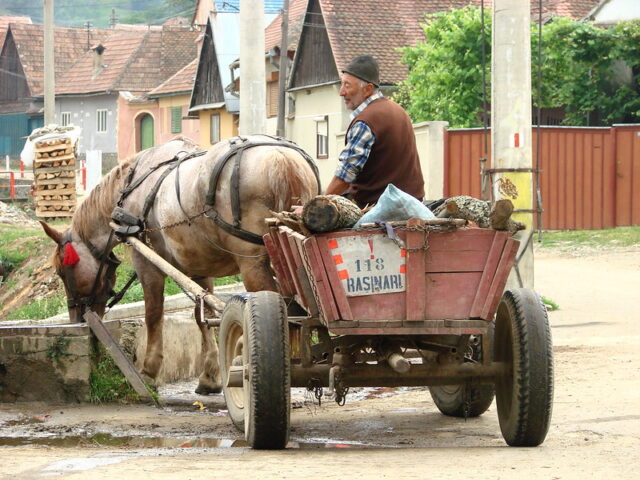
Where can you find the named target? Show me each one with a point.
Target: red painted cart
(415, 303)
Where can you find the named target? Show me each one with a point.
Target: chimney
(97, 59)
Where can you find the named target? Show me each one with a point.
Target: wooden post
(121, 360)
(180, 278)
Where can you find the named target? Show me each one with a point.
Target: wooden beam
(118, 356)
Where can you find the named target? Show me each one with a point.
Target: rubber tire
(268, 388)
(450, 399)
(232, 345)
(524, 395)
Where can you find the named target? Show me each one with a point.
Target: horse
(182, 200)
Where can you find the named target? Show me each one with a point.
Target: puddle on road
(108, 440)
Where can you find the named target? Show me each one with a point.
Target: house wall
(228, 126)
(83, 114)
(190, 128)
(129, 124)
(311, 105)
(616, 11)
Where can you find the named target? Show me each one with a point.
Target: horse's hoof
(205, 390)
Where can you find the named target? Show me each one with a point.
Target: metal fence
(589, 178)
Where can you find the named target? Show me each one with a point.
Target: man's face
(354, 91)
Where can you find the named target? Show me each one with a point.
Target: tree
(591, 72)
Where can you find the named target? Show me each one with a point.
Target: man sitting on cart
(380, 142)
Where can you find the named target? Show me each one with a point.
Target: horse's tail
(290, 178)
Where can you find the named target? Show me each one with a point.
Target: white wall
(312, 104)
(615, 11)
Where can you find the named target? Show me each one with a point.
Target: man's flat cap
(365, 67)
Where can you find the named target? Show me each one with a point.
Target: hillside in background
(75, 13)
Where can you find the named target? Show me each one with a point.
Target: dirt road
(595, 431)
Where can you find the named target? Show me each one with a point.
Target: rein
(106, 257)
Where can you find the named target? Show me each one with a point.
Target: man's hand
(337, 187)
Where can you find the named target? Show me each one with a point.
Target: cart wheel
(465, 401)
(231, 354)
(254, 333)
(524, 394)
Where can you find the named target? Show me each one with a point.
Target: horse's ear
(54, 234)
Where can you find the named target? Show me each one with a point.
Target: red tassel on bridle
(70, 255)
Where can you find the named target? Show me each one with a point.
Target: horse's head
(88, 274)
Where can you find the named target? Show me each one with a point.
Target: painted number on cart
(369, 265)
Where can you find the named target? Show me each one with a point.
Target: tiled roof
(5, 20)
(373, 29)
(273, 32)
(70, 44)
(181, 82)
(380, 28)
(132, 60)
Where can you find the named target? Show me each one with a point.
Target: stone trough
(50, 360)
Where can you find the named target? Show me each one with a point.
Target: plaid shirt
(360, 140)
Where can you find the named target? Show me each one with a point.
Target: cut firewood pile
(55, 177)
(481, 212)
(327, 213)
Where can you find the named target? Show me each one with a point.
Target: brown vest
(394, 156)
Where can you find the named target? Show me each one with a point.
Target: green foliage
(445, 71)
(17, 244)
(58, 348)
(40, 309)
(608, 237)
(550, 304)
(591, 72)
(106, 381)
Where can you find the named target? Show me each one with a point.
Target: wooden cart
(415, 303)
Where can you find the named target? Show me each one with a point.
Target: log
(326, 213)
(497, 217)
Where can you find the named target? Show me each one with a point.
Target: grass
(40, 309)
(610, 237)
(17, 244)
(106, 381)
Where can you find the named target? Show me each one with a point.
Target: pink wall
(129, 115)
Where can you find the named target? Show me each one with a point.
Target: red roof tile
(70, 44)
(380, 28)
(180, 83)
(273, 32)
(132, 60)
(5, 20)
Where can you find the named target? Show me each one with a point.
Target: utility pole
(49, 65)
(88, 26)
(284, 63)
(253, 109)
(511, 137)
(113, 20)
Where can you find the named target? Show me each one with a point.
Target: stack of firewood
(55, 177)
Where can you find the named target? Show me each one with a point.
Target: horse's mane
(101, 200)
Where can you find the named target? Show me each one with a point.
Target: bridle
(106, 257)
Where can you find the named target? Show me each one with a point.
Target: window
(215, 128)
(176, 119)
(272, 99)
(65, 118)
(101, 126)
(292, 107)
(322, 137)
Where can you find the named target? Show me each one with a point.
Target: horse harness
(131, 225)
(106, 257)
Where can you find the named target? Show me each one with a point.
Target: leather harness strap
(238, 146)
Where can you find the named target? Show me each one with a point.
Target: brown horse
(268, 177)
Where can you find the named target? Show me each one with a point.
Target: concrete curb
(172, 304)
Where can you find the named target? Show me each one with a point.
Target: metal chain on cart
(316, 389)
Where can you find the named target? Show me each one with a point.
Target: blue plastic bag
(395, 205)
